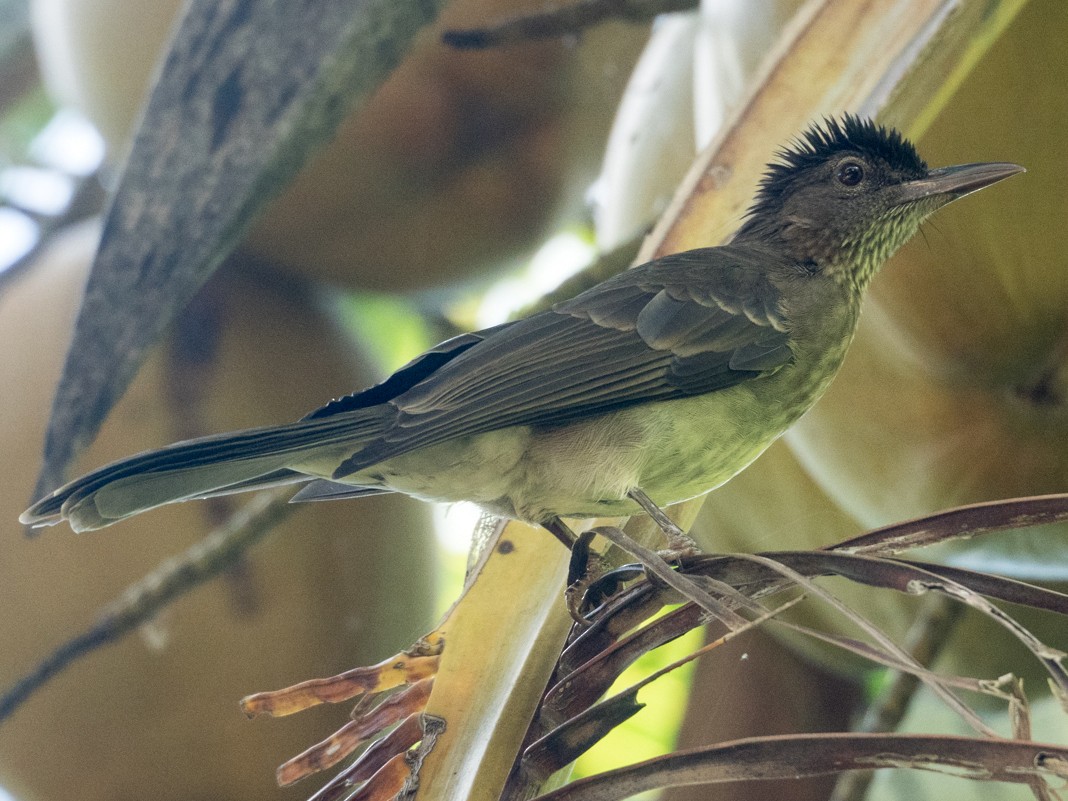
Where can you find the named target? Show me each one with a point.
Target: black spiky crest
(830, 137)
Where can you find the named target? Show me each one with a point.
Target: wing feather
(695, 322)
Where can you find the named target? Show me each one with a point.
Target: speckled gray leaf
(249, 90)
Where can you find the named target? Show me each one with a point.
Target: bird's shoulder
(737, 281)
(718, 305)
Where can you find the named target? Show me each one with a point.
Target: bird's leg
(585, 566)
(583, 570)
(579, 547)
(679, 543)
(559, 529)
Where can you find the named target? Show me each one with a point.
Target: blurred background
(467, 186)
(460, 170)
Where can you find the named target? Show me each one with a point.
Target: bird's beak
(956, 182)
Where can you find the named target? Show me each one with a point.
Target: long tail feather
(252, 459)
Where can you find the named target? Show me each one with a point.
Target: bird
(653, 387)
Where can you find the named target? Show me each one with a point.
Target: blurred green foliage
(21, 122)
(655, 729)
(391, 325)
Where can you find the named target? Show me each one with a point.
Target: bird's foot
(589, 582)
(583, 571)
(598, 583)
(679, 543)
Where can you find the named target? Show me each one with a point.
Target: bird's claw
(585, 569)
(679, 546)
(679, 543)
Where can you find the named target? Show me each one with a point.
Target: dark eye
(850, 174)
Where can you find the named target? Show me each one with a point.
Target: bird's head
(848, 193)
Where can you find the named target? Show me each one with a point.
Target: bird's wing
(687, 324)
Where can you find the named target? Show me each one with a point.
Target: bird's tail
(256, 458)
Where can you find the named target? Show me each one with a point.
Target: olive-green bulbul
(669, 378)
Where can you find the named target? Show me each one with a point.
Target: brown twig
(925, 640)
(795, 756)
(658, 568)
(142, 601)
(881, 639)
(569, 20)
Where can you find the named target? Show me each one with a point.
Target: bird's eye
(850, 174)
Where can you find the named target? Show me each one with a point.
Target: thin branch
(569, 20)
(799, 755)
(962, 522)
(880, 637)
(686, 587)
(925, 640)
(142, 601)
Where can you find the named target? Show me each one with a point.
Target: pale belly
(675, 451)
(672, 450)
